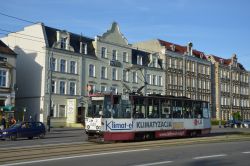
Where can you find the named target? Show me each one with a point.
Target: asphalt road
(223, 153)
(77, 135)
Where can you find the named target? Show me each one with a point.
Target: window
(114, 55)
(114, 74)
(148, 78)
(63, 65)
(103, 88)
(63, 43)
(139, 60)
(53, 64)
(154, 62)
(62, 87)
(125, 75)
(53, 86)
(3, 78)
(193, 67)
(72, 88)
(125, 57)
(104, 73)
(73, 67)
(170, 62)
(154, 82)
(135, 77)
(91, 70)
(103, 52)
(85, 48)
(160, 80)
(114, 90)
(62, 112)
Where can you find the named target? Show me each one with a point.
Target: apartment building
(50, 73)
(120, 68)
(231, 88)
(187, 71)
(7, 80)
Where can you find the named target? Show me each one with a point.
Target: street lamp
(50, 85)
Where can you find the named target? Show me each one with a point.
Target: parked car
(24, 130)
(232, 123)
(245, 123)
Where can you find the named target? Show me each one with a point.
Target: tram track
(52, 151)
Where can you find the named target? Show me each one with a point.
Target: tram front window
(95, 109)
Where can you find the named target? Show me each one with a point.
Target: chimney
(189, 48)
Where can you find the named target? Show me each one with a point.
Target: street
(65, 146)
(229, 153)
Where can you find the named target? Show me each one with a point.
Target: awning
(8, 108)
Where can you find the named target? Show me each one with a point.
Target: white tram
(135, 117)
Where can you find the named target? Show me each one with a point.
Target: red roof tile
(181, 49)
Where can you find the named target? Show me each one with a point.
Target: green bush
(216, 122)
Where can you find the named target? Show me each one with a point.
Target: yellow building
(231, 88)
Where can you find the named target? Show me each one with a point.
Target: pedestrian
(12, 121)
(3, 123)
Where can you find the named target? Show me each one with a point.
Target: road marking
(156, 163)
(72, 157)
(203, 157)
(245, 152)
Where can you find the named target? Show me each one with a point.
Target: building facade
(231, 88)
(187, 71)
(7, 79)
(50, 73)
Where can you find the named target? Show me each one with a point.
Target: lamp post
(50, 71)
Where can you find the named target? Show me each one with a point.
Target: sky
(218, 27)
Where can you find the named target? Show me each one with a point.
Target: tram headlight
(88, 126)
(98, 127)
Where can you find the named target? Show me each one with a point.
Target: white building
(36, 45)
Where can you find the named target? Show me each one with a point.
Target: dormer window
(172, 47)
(139, 60)
(84, 48)
(63, 43)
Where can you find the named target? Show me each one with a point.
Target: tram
(112, 117)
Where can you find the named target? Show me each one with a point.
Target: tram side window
(187, 109)
(198, 110)
(153, 108)
(139, 109)
(126, 108)
(166, 109)
(177, 111)
(107, 107)
(205, 110)
(116, 107)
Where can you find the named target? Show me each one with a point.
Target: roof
(181, 49)
(4, 49)
(143, 54)
(226, 62)
(75, 40)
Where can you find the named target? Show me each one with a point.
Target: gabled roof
(75, 40)
(181, 49)
(4, 49)
(226, 62)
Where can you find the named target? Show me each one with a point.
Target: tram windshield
(95, 108)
